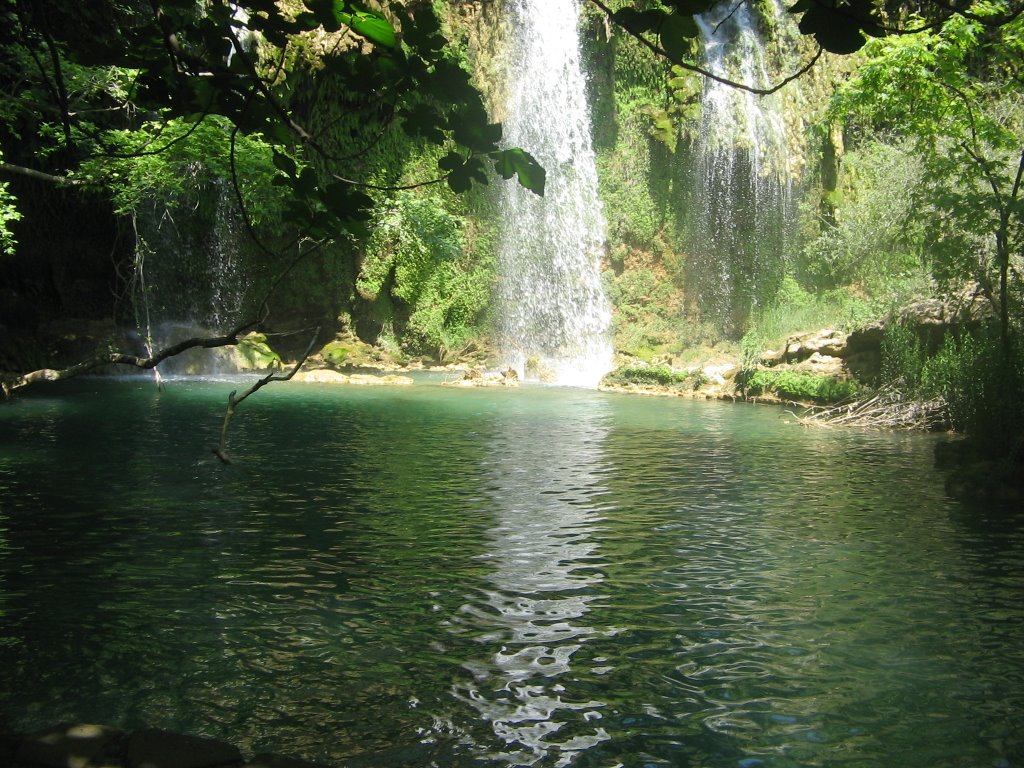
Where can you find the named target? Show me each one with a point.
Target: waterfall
(554, 318)
(742, 212)
(189, 276)
(228, 286)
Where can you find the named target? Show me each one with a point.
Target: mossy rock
(256, 352)
(336, 353)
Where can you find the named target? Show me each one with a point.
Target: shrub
(796, 309)
(904, 359)
(982, 384)
(800, 386)
(658, 375)
(418, 256)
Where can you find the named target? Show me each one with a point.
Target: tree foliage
(417, 256)
(955, 94)
(107, 82)
(8, 213)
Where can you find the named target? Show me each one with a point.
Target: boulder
(826, 342)
(721, 373)
(866, 340)
(365, 379)
(821, 365)
(321, 376)
(256, 353)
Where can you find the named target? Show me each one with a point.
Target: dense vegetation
(346, 146)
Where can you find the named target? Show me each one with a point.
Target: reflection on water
(544, 478)
(424, 577)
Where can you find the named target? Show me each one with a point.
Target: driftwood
(221, 450)
(886, 409)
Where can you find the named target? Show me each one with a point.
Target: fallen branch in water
(886, 409)
(220, 451)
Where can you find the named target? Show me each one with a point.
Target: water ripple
(522, 578)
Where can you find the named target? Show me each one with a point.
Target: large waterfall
(742, 212)
(553, 318)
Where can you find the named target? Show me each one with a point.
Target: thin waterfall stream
(554, 317)
(742, 212)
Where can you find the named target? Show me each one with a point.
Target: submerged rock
(366, 379)
(321, 376)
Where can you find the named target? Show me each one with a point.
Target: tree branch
(120, 358)
(657, 49)
(40, 175)
(220, 451)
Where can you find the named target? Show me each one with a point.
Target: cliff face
(74, 264)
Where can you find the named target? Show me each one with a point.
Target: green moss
(336, 353)
(257, 353)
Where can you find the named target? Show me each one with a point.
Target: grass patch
(791, 385)
(656, 375)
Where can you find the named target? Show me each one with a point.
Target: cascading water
(554, 317)
(189, 279)
(228, 286)
(742, 212)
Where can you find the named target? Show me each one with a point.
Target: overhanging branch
(233, 402)
(21, 170)
(657, 49)
(120, 358)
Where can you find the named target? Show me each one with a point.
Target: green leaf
(307, 20)
(530, 173)
(327, 12)
(690, 7)
(284, 163)
(478, 136)
(459, 180)
(675, 35)
(451, 161)
(305, 182)
(347, 202)
(838, 29)
(424, 121)
(833, 32)
(372, 26)
(423, 31)
(638, 22)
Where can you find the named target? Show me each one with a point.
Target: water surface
(420, 576)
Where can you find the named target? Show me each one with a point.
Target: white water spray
(555, 318)
(742, 212)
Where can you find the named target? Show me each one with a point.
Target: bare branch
(40, 175)
(220, 451)
(120, 358)
(399, 188)
(886, 409)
